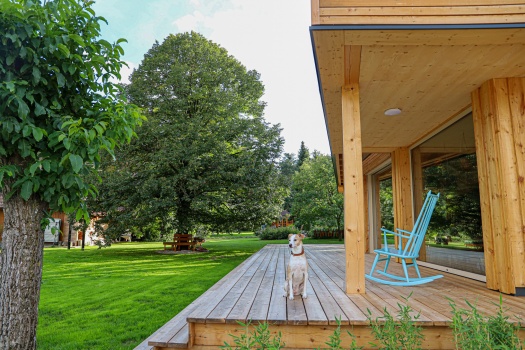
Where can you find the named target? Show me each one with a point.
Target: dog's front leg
(304, 285)
(290, 288)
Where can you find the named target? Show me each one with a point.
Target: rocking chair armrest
(404, 231)
(385, 231)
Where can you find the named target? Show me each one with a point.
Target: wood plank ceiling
(428, 73)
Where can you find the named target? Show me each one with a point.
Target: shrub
(399, 332)
(277, 233)
(474, 331)
(260, 338)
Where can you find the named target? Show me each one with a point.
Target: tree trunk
(21, 273)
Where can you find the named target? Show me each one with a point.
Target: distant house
(284, 221)
(63, 225)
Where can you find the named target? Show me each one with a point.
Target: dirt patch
(171, 252)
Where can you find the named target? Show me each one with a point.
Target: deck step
(174, 334)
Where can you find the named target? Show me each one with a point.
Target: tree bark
(21, 273)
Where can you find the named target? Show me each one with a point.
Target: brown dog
(297, 270)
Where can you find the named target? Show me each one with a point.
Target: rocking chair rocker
(408, 247)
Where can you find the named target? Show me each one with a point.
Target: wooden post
(417, 176)
(402, 189)
(354, 202)
(367, 222)
(499, 126)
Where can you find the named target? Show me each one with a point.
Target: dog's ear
(302, 235)
(290, 235)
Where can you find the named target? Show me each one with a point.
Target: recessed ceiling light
(393, 111)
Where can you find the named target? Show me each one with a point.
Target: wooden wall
(417, 11)
(498, 109)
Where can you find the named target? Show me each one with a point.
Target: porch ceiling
(428, 73)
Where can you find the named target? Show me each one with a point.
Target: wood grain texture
(354, 203)
(307, 323)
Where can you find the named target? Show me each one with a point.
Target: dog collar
(301, 253)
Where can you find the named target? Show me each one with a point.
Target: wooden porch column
(402, 189)
(354, 223)
(417, 179)
(498, 109)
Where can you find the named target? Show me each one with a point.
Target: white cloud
(273, 38)
(270, 36)
(190, 22)
(125, 72)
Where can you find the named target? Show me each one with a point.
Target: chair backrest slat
(417, 237)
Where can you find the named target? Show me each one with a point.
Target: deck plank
(220, 289)
(244, 303)
(254, 291)
(277, 310)
(261, 304)
(221, 309)
(353, 313)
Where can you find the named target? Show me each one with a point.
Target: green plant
(397, 333)
(259, 338)
(277, 233)
(334, 343)
(472, 330)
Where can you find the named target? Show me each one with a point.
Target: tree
(58, 110)
(205, 156)
(316, 201)
(302, 155)
(287, 169)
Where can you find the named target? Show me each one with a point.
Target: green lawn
(114, 298)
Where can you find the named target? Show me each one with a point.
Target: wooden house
(403, 84)
(396, 74)
(59, 217)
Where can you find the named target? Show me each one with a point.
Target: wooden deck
(254, 291)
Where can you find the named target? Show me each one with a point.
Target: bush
(473, 331)
(277, 233)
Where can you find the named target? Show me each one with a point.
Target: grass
(114, 298)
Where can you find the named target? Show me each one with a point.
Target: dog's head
(295, 240)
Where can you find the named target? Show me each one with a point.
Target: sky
(269, 36)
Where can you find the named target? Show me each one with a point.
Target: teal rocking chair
(408, 247)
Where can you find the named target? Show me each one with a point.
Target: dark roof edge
(416, 26)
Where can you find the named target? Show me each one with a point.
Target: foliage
(334, 343)
(397, 332)
(458, 209)
(259, 338)
(272, 233)
(59, 107)
(303, 155)
(316, 201)
(59, 111)
(287, 169)
(474, 331)
(205, 156)
(386, 204)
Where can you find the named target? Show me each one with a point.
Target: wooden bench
(475, 245)
(180, 240)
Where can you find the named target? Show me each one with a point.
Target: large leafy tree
(58, 109)
(205, 156)
(316, 201)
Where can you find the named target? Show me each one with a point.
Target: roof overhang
(427, 71)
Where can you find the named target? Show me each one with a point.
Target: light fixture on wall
(393, 111)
